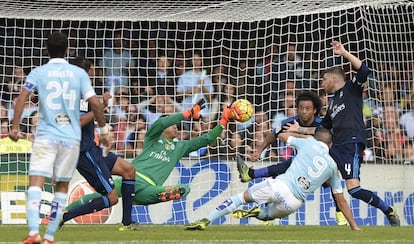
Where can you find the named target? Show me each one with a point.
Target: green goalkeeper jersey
(159, 155)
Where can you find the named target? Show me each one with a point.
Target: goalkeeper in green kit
(159, 157)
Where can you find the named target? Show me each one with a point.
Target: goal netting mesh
(264, 51)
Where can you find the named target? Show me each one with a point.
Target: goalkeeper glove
(227, 115)
(194, 112)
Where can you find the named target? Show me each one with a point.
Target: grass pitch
(219, 234)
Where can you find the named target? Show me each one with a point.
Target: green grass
(219, 234)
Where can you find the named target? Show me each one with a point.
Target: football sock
(82, 200)
(370, 198)
(56, 212)
(228, 206)
(274, 169)
(258, 173)
(264, 213)
(90, 207)
(128, 194)
(34, 195)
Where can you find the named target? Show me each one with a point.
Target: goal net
(263, 51)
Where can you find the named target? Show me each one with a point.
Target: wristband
(104, 129)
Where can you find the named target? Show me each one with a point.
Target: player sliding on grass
(309, 106)
(286, 193)
(159, 157)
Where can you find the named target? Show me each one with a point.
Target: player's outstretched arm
(194, 112)
(344, 207)
(269, 139)
(227, 115)
(295, 128)
(97, 109)
(339, 49)
(90, 116)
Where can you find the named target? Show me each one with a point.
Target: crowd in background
(160, 80)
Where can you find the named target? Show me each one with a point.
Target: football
(243, 108)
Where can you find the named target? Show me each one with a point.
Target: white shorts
(54, 158)
(281, 201)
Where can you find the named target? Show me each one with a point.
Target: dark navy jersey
(88, 131)
(344, 116)
(317, 122)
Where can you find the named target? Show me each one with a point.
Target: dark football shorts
(348, 158)
(96, 169)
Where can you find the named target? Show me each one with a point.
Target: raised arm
(90, 116)
(339, 49)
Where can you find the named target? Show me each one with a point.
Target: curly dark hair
(310, 96)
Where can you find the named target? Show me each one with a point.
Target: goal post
(264, 51)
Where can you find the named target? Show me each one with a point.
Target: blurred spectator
(368, 103)
(194, 85)
(264, 66)
(97, 78)
(387, 98)
(10, 88)
(147, 63)
(29, 127)
(117, 63)
(4, 112)
(125, 127)
(135, 140)
(237, 145)
(153, 108)
(75, 49)
(219, 78)
(179, 67)
(324, 99)
(374, 138)
(29, 106)
(118, 106)
(162, 83)
(4, 127)
(283, 112)
(394, 142)
(247, 88)
(290, 68)
(258, 124)
(407, 119)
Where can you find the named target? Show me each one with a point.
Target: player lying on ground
(159, 157)
(286, 193)
(309, 106)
